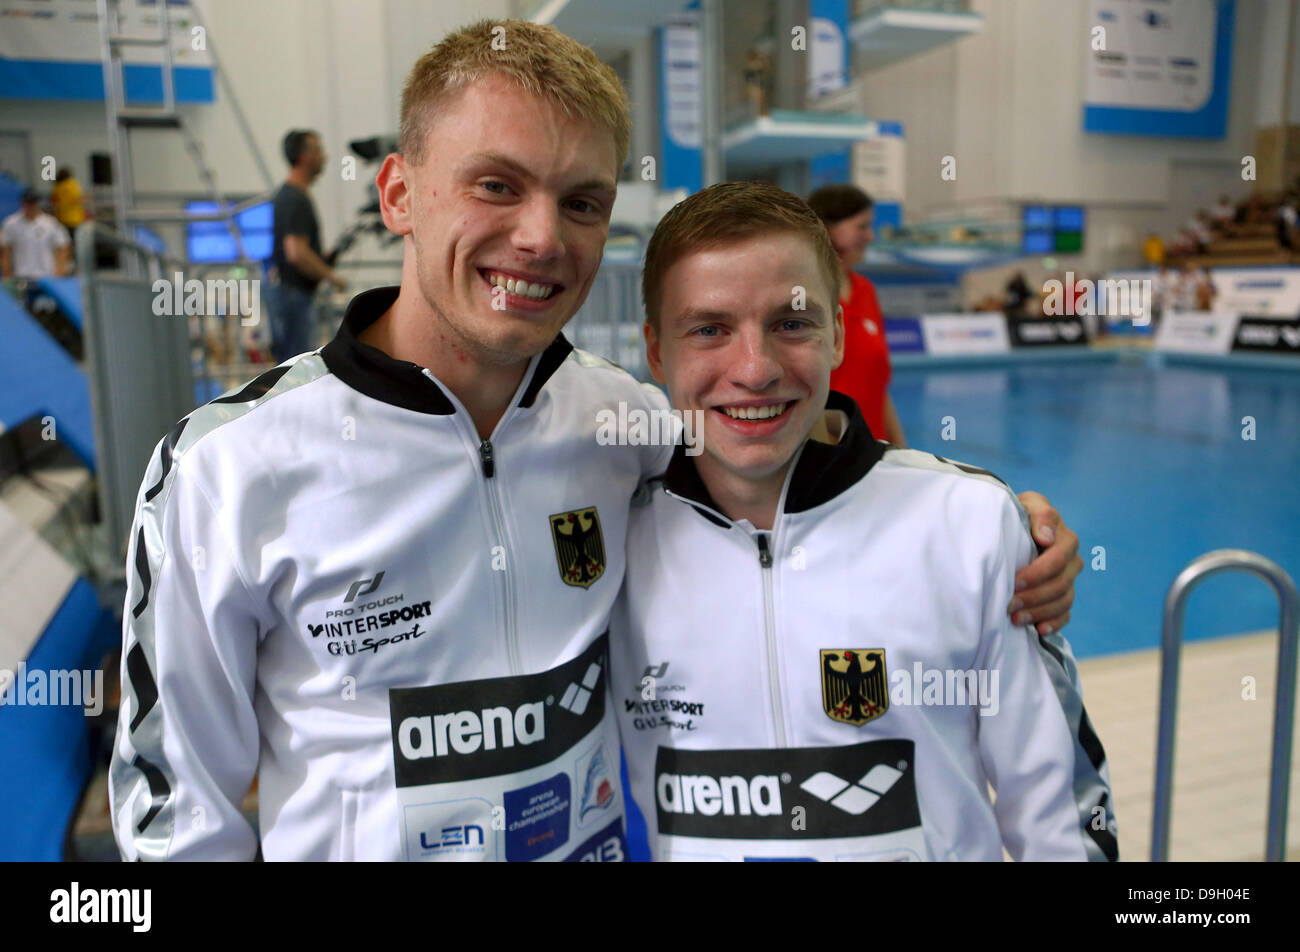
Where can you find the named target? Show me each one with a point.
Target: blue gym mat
(67, 294)
(46, 750)
(41, 379)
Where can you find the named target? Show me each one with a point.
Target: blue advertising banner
(679, 104)
(828, 72)
(903, 335)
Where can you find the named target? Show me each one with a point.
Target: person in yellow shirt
(1153, 249)
(69, 206)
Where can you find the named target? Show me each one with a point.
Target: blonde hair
(726, 213)
(542, 60)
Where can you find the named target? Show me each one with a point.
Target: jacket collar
(399, 382)
(821, 471)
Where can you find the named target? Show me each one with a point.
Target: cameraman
(296, 256)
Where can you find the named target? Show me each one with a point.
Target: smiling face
(730, 343)
(851, 237)
(507, 212)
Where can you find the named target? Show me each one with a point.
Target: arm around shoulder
(1037, 744)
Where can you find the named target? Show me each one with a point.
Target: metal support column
(711, 53)
(123, 116)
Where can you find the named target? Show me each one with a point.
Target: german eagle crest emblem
(854, 686)
(579, 546)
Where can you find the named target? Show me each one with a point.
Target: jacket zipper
(769, 602)
(769, 608)
(769, 633)
(488, 461)
(769, 605)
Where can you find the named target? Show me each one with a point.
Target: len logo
(854, 686)
(579, 546)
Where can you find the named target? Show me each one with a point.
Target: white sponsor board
(681, 65)
(909, 300)
(826, 58)
(953, 334)
(1196, 332)
(1273, 292)
(1157, 56)
(879, 164)
(1264, 292)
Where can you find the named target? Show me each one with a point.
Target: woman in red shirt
(864, 374)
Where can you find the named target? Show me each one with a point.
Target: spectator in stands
(1182, 293)
(1286, 222)
(1192, 289)
(1018, 295)
(865, 371)
(1162, 292)
(32, 243)
(1251, 211)
(1153, 249)
(1185, 244)
(296, 262)
(1223, 213)
(68, 200)
(1205, 291)
(1200, 228)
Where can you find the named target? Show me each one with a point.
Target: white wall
(1272, 62)
(1007, 103)
(921, 92)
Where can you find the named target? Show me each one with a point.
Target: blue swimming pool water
(1145, 459)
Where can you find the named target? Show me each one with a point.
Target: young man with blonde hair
(829, 672)
(379, 577)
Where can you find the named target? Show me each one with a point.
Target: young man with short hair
(379, 577)
(810, 655)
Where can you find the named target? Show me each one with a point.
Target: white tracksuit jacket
(847, 685)
(399, 629)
